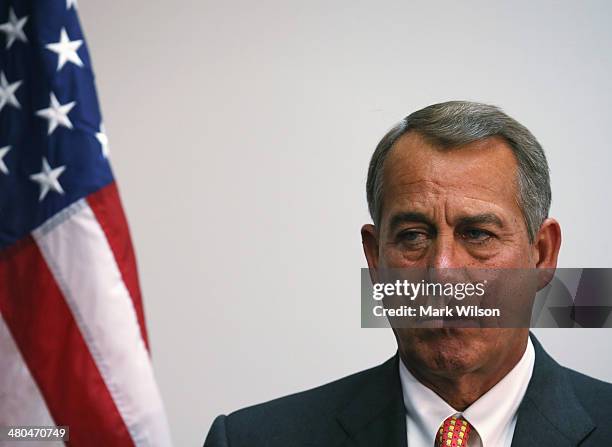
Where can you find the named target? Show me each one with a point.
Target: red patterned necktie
(454, 432)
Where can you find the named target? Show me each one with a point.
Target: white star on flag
(103, 140)
(7, 92)
(14, 29)
(3, 151)
(48, 179)
(66, 50)
(57, 114)
(71, 3)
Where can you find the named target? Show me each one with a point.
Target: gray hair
(456, 123)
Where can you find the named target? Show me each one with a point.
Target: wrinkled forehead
(420, 172)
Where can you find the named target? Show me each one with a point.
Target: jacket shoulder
(594, 395)
(306, 415)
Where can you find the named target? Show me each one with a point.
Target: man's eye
(476, 235)
(412, 237)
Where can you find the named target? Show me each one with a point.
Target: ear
(546, 249)
(369, 240)
(547, 244)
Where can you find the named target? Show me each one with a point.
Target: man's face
(449, 209)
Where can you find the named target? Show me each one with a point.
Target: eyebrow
(484, 218)
(412, 216)
(409, 216)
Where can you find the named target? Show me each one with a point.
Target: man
(454, 185)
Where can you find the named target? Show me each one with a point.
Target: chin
(446, 351)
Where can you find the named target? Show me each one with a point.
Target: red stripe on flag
(54, 350)
(106, 205)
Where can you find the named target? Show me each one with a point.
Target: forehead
(483, 171)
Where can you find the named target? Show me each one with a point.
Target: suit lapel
(550, 413)
(376, 415)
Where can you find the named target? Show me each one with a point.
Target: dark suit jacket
(561, 408)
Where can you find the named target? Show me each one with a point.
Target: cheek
(514, 254)
(394, 257)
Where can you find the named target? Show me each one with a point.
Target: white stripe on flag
(82, 262)
(22, 402)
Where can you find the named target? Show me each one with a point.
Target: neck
(462, 390)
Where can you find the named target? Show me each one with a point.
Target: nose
(446, 260)
(444, 253)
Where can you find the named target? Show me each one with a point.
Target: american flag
(73, 343)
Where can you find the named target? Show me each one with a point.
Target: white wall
(240, 136)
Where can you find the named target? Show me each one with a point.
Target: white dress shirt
(493, 416)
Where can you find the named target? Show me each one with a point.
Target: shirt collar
(491, 415)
